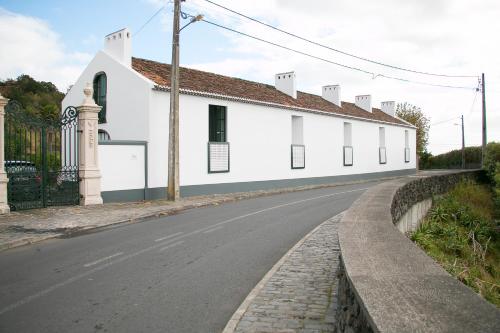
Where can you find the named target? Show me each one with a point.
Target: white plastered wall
(122, 167)
(260, 139)
(128, 95)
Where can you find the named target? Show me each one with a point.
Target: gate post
(4, 206)
(90, 175)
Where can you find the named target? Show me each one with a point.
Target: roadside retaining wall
(387, 283)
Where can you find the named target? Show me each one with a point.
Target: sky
(55, 40)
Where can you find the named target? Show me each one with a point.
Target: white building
(235, 135)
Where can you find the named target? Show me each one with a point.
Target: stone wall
(388, 284)
(350, 312)
(422, 188)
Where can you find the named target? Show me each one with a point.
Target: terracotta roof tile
(196, 80)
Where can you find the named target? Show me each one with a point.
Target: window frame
(214, 127)
(209, 165)
(304, 153)
(101, 132)
(101, 99)
(344, 155)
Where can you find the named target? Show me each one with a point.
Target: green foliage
(39, 98)
(492, 168)
(453, 159)
(424, 161)
(491, 158)
(461, 234)
(414, 115)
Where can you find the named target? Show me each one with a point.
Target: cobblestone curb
(299, 293)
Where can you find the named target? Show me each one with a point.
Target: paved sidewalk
(30, 226)
(299, 294)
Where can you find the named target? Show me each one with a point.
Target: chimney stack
(389, 107)
(285, 82)
(364, 102)
(331, 94)
(119, 45)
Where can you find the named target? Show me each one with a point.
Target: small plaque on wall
(218, 157)
(298, 156)
(348, 156)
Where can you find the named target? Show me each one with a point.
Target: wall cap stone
(398, 287)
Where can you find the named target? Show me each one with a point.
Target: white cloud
(29, 46)
(452, 37)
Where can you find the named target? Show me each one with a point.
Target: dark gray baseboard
(192, 190)
(123, 195)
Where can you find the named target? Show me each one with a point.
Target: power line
(454, 118)
(149, 20)
(473, 103)
(374, 75)
(287, 48)
(444, 121)
(337, 50)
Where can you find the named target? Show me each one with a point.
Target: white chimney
(331, 94)
(364, 102)
(119, 46)
(389, 107)
(285, 82)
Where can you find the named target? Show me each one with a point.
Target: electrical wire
(444, 121)
(337, 50)
(466, 116)
(473, 103)
(374, 75)
(149, 20)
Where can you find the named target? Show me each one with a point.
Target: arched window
(103, 135)
(100, 89)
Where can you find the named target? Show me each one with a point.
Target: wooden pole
(485, 140)
(173, 193)
(463, 144)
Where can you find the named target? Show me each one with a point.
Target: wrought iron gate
(41, 158)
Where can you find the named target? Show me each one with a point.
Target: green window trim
(217, 126)
(100, 92)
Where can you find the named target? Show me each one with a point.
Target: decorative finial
(87, 91)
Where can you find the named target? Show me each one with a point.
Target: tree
(39, 98)
(414, 115)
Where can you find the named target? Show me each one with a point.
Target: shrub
(491, 158)
(452, 159)
(460, 233)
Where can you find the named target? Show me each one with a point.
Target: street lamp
(196, 18)
(173, 192)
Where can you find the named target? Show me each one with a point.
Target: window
(298, 156)
(348, 151)
(218, 147)
(407, 147)
(100, 89)
(297, 130)
(382, 158)
(217, 123)
(103, 135)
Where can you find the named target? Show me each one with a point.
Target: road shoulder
(299, 292)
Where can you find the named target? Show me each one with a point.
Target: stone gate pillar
(4, 207)
(90, 175)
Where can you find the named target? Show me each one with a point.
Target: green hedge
(452, 159)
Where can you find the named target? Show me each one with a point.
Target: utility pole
(463, 144)
(485, 141)
(173, 140)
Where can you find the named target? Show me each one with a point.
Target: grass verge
(461, 234)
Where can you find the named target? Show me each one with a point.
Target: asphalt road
(182, 273)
